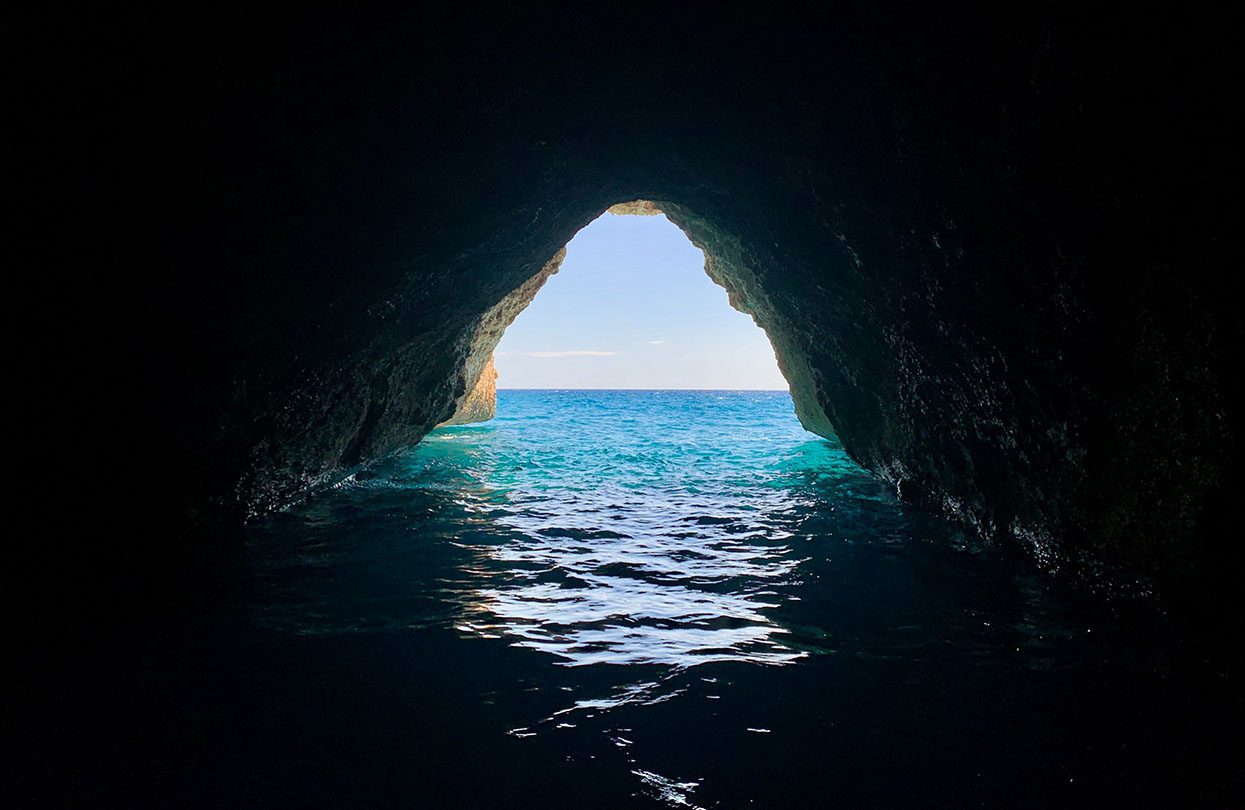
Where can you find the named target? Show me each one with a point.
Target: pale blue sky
(632, 308)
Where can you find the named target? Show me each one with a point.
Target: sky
(632, 308)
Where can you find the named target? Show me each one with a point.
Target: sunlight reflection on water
(669, 545)
(617, 580)
(683, 597)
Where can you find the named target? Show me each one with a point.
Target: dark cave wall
(993, 242)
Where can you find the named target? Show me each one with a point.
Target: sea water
(681, 598)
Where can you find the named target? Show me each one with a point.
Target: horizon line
(786, 390)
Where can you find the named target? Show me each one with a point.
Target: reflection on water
(686, 591)
(609, 531)
(675, 580)
(657, 528)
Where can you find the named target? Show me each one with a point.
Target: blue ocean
(681, 599)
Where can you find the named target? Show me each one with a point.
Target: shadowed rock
(988, 245)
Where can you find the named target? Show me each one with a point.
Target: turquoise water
(615, 527)
(617, 599)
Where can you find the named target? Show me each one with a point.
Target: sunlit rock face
(480, 403)
(987, 255)
(478, 375)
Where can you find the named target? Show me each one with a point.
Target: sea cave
(292, 549)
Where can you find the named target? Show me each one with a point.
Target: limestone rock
(635, 208)
(480, 403)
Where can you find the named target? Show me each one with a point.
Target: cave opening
(631, 303)
(632, 308)
(630, 377)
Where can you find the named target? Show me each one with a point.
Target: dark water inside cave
(644, 599)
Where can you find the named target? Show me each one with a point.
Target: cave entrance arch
(415, 363)
(744, 292)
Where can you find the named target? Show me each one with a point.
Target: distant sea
(683, 599)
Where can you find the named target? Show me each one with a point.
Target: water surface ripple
(658, 527)
(712, 606)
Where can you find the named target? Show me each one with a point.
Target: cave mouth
(629, 304)
(592, 574)
(632, 308)
(612, 565)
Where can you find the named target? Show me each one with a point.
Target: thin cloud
(578, 353)
(657, 342)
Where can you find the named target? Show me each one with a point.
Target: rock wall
(480, 403)
(989, 244)
(731, 267)
(479, 375)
